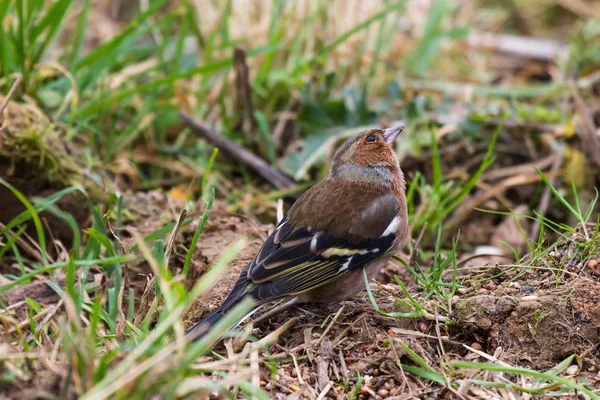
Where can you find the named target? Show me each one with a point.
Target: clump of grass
(99, 338)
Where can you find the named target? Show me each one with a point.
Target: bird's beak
(390, 134)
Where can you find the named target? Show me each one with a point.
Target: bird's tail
(200, 328)
(237, 294)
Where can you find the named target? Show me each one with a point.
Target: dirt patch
(531, 316)
(539, 315)
(220, 231)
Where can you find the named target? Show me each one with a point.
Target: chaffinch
(353, 219)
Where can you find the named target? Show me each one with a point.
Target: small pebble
(364, 390)
(483, 291)
(490, 285)
(592, 264)
(528, 289)
(476, 346)
(515, 285)
(383, 392)
(572, 370)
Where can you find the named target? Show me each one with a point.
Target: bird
(355, 218)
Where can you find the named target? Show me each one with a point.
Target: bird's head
(368, 157)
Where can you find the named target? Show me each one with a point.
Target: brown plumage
(354, 219)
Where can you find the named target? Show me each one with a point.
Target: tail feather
(237, 294)
(200, 328)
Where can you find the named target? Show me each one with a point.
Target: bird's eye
(370, 139)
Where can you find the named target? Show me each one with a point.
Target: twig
(273, 176)
(173, 236)
(335, 318)
(343, 366)
(50, 310)
(285, 131)
(581, 8)
(520, 46)
(475, 256)
(243, 96)
(29, 249)
(297, 368)
(545, 200)
(254, 367)
(408, 332)
(10, 94)
(120, 331)
(521, 169)
(324, 391)
(486, 356)
(413, 255)
(589, 138)
(38, 291)
(495, 190)
(274, 311)
(47, 319)
(273, 336)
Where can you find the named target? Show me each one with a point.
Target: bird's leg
(274, 311)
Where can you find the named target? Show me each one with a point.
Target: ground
(526, 317)
(147, 150)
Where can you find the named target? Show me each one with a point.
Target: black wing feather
(308, 263)
(292, 261)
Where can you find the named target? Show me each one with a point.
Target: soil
(221, 230)
(528, 317)
(533, 316)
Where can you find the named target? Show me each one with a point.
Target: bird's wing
(296, 259)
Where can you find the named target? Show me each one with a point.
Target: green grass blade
(34, 215)
(559, 196)
(51, 22)
(527, 372)
(436, 162)
(199, 228)
(79, 34)
(208, 168)
(59, 265)
(435, 377)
